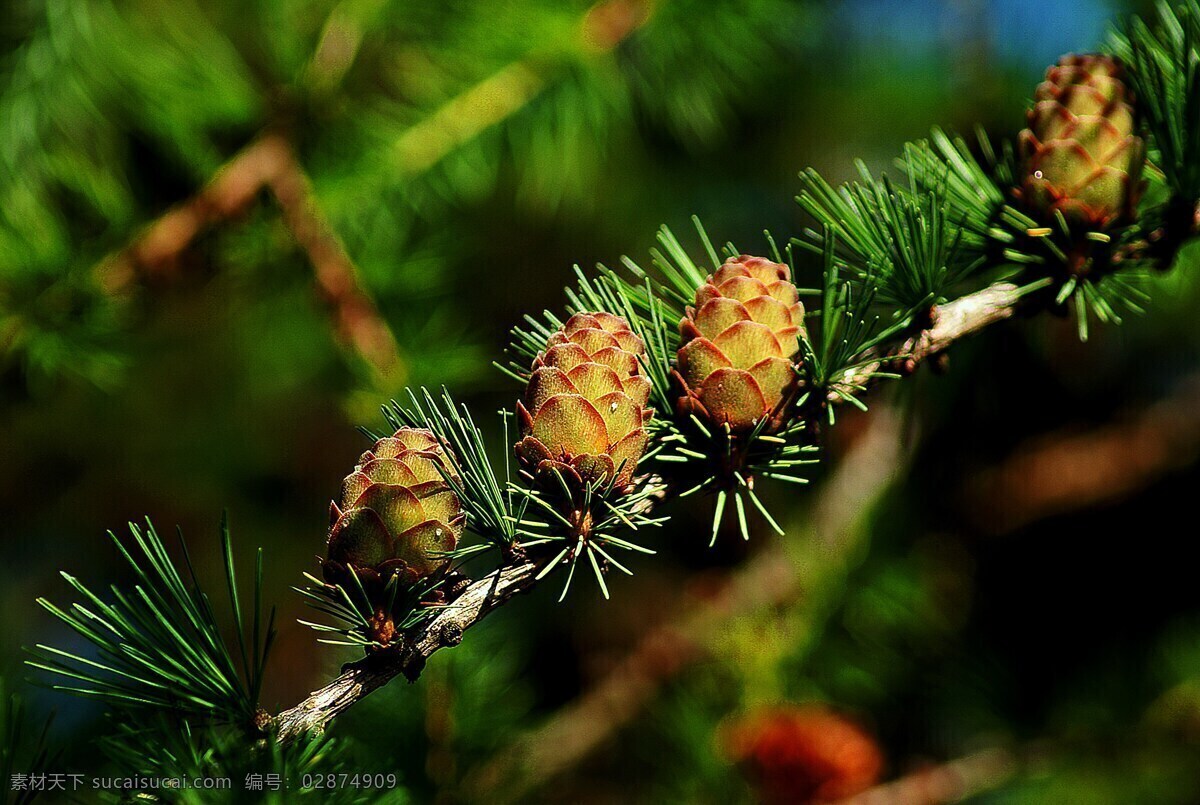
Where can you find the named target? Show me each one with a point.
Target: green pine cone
(1083, 156)
(585, 406)
(394, 512)
(740, 345)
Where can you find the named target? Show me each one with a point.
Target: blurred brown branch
(949, 782)
(357, 320)
(269, 163)
(154, 254)
(1068, 471)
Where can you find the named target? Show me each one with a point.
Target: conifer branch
(953, 781)
(504, 93)
(588, 429)
(955, 320)
(952, 322)
(367, 675)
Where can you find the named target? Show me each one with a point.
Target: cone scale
(582, 420)
(737, 363)
(395, 515)
(1082, 155)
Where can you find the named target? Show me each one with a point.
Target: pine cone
(737, 362)
(803, 755)
(585, 405)
(1083, 156)
(395, 510)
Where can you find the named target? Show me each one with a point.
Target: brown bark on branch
(367, 675)
(963, 317)
(952, 321)
(949, 782)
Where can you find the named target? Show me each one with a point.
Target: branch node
(451, 634)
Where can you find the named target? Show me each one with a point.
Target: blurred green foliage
(401, 114)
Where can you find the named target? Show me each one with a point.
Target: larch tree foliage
(132, 131)
(688, 380)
